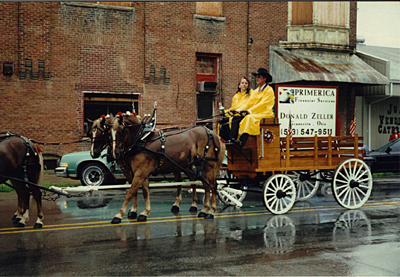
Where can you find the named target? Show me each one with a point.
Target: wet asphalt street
(317, 237)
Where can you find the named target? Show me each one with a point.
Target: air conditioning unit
(208, 87)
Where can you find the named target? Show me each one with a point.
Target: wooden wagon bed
(292, 172)
(305, 153)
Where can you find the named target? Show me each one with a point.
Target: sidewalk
(51, 178)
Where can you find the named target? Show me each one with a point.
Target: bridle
(103, 135)
(123, 133)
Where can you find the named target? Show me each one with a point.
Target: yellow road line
(72, 226)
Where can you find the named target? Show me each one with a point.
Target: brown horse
(163, 153)
(21, 161)
(100, 138)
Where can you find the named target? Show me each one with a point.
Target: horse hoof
(193, 209)
(19, 225)
(38, 226)
(132, 215)
(142, 218)
(201, 214)
(14, 218)
(175, 209)
(116, 220)
(209, 216)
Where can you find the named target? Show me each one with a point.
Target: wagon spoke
(290, 192)
(342, 181)
(344, 186)
(346, 196)
(272, 199)
(355, 168)
(358, 195)
(352, 196)
(343, 191)
(364, 186)
(363, 180)
(273, 185)
(289, 199)
(344, 177)
(280, 205)
(345, 170)
(280, 183)
(365, 172)
(358, 189)
(358, 171)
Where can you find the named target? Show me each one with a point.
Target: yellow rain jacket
(238, 100)
(260, 106)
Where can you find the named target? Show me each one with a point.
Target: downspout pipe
(369, 113)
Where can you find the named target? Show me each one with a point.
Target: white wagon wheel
(306, 183)
(352, 183)
(279, 194)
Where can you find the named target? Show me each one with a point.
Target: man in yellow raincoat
(259, 106)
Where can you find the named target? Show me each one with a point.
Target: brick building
(64, 62)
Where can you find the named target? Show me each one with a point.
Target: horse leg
(206, 206)
(210, 174)
(178, 199)
(132, 214)
(129, 196)
(127, 171)
(193, 207)
(22, 214)
(37, 207)
(37, 196)
(18, 214)
(146, 195)
(213, 209)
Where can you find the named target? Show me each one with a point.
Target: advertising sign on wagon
(313, 110)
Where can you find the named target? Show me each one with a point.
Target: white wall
(385, 114)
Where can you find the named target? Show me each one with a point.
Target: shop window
(209, 8)
(96, 104)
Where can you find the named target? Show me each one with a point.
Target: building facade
(65, 62)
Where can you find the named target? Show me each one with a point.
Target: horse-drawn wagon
(285, 172)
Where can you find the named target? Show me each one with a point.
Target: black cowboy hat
(263, 72)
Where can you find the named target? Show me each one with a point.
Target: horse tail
(221, 153)
(40, 182)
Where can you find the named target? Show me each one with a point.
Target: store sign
(312, 110)
(389, 120)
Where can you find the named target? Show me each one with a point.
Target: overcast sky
(379, 23)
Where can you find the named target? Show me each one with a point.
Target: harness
(26, 164)
(28, 146)
(201, 161)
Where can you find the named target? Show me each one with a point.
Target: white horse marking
(94, 137)
(113, 135)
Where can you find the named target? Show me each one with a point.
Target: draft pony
(101, 139)
(163, 153)
(21, 162)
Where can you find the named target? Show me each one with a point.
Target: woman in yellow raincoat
(241, 97)
(259, 106)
